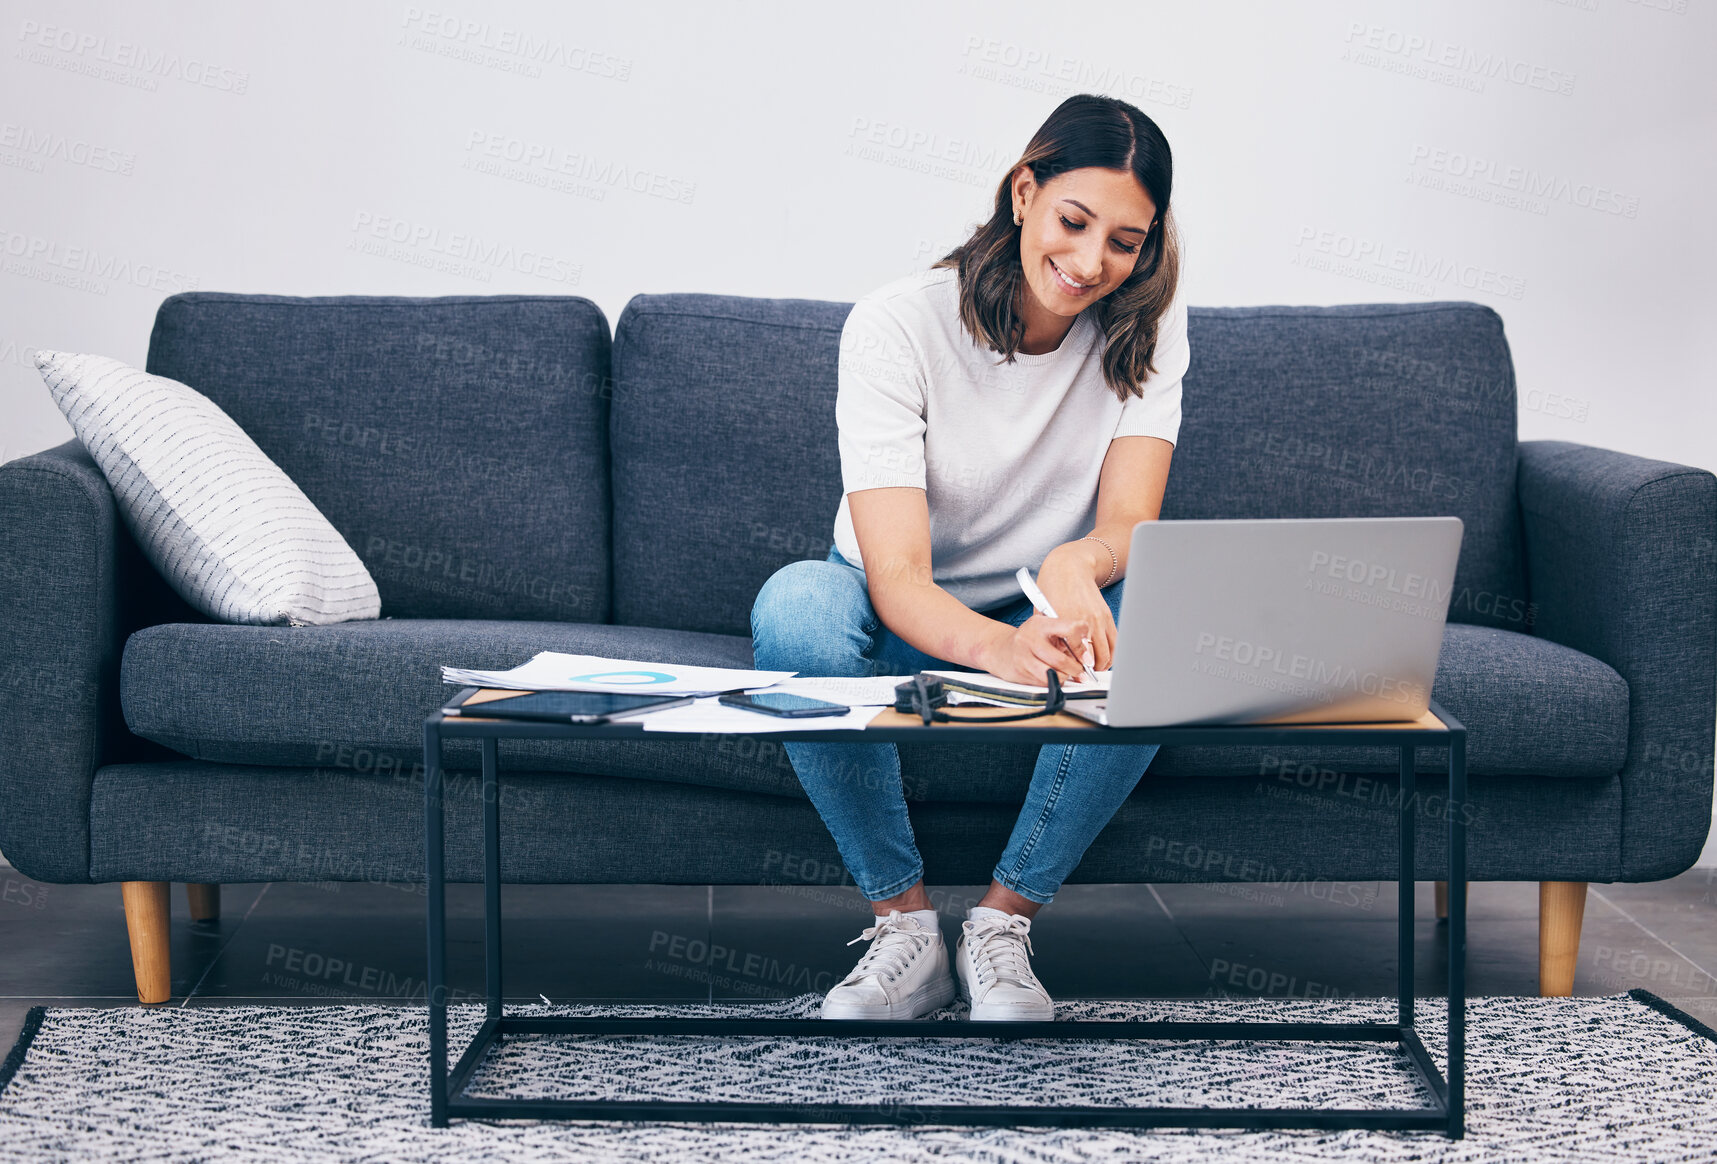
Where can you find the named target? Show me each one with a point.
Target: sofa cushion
(1531, 707)
(354, 695)
(1362, 410)
(726, 468)
(458, 444)
(722, 431)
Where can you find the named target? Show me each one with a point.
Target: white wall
(1552, 159)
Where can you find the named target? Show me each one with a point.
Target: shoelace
(892, 946)
(999, 946)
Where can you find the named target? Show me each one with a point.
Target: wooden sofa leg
(1441, 892)
(1561, 907)
(147, 912)
(204, 900)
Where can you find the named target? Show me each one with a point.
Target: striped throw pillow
(227, 529)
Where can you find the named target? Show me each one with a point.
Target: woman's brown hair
(1085, 130)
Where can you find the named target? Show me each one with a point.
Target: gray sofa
(516, 479)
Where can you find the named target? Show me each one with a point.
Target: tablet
(561, 706)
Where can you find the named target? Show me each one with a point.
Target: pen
(1048, 611)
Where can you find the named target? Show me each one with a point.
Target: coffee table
(1445, 1113)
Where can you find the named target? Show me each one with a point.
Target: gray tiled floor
(65, 945)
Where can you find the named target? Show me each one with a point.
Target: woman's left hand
(1066, 580)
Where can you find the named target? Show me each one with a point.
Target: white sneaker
(995, 970)
(903, 975)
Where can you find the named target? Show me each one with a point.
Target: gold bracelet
(1114, 562)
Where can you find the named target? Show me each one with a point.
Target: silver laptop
(1316, 620)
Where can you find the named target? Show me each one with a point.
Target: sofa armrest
(73, 585)
(1621, 561)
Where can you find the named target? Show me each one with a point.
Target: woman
(1015, 405)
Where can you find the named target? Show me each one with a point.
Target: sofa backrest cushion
(725, 466)
(1361, 410)
(458, 444)
(722, 434)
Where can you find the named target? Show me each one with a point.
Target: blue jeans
(816, 618)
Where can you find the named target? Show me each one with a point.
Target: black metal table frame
(1446, 1113)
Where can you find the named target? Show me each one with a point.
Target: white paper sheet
(554, 671)
(709, 715)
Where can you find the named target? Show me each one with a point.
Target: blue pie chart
(628, 678)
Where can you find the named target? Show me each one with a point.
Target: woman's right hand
(1022, 654)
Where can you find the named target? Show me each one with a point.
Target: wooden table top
(891, 719)
(888, 717)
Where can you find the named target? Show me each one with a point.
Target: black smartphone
(781, 703)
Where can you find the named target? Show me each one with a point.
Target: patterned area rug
(1623, 1078)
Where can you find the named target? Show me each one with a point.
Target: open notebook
(993, 689)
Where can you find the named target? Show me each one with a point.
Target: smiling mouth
(1068, 285)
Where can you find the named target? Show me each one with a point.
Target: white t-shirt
(1009, 455)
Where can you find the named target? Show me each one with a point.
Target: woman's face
(1081, 234)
